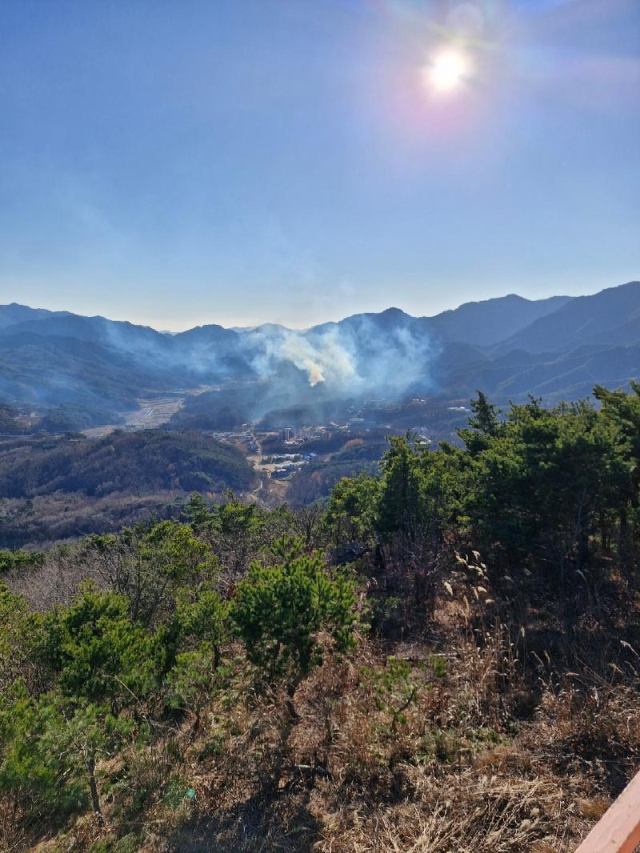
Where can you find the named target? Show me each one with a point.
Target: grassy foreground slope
(445, 658)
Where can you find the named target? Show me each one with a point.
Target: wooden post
(618, 831)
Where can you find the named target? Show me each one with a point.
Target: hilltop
(58, 488)
(443, 657)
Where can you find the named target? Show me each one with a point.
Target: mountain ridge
(38, 314)
(507, 346)
(582, 320)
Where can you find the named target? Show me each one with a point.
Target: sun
(448, 70)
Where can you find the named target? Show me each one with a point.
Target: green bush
(279, 611)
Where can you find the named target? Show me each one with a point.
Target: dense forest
(123, 461)
(52, 488)
(442, 657)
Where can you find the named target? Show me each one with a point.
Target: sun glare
(448, 70)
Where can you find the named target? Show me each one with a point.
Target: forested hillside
(62, 487)
(445, 657)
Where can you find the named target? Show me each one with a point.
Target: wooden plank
(618, 831)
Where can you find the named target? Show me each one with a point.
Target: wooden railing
(618, 831)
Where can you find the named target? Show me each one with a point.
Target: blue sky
(241, 161)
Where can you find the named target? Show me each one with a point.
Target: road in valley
(151, 414)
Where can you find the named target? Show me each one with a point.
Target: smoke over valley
(280, 413)
(509, 347)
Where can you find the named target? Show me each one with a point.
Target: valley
(150, 414)
(301, 410)
(319, 426)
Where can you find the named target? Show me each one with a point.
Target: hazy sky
(176, 162)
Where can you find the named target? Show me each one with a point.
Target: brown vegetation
(210, 689)
(498, 751)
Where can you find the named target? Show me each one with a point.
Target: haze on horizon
(295, 162)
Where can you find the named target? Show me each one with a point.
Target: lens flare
(448, 70)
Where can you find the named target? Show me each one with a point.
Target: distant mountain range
(508, 347)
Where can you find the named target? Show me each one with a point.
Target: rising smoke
(381, 354)
(365, 356)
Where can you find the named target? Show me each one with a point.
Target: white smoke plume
(351, 358)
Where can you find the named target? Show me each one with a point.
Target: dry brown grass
(469, 813)
(495, 755)
(456, 777)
